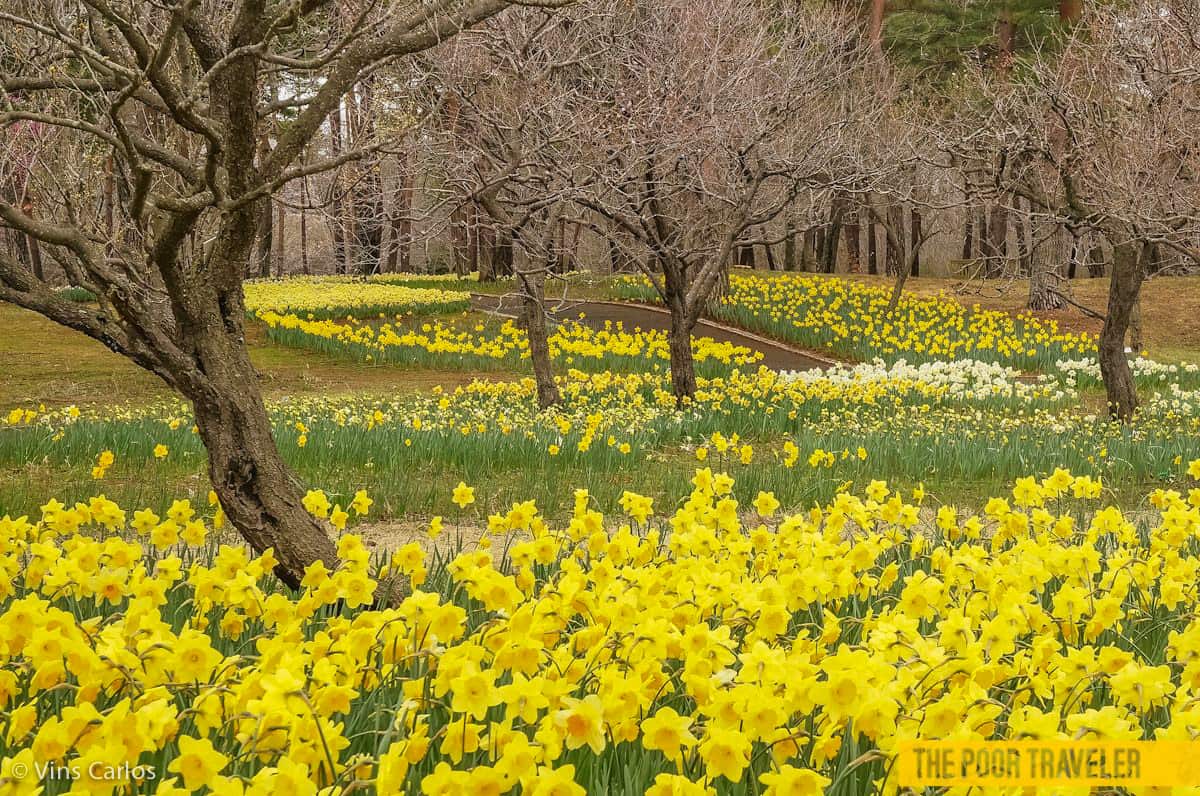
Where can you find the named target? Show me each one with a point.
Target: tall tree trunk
(364, 192)
(571, 255)
(1025, 244)
(683, 365)
(617, 263)
(502, 254)
(916, 242)
(533, 320)
(461, 244)
(850, 230)
(968, 249)
(304, 226)
(1124, 288)
(35, 257)
(982, 244)
(481, 245)
(266, 231)
(1073, 261)
(1136, 342)
(997, 240)
(897, 245)
(789, 246)
(829, 251)
(769, 253)
(559, 263)
(872, 246)
(28, 247)
(808, 248)
(280, 239)
(400, 221)
(1095, 259)
(1070, 10)
(339, 228)
(745, 256)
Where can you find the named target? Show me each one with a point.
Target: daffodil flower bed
(318, 297)
(1078, 373)
(724, 645)
(503, 345)
(852, 320)
(968, 424)
(447, 281)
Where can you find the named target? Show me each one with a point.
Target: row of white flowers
(1073, 370)
(970, 379)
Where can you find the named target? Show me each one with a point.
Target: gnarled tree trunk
(533, 319)
(256, 489)
(1125, 285)
(683, 365)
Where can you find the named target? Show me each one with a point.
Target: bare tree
(512, 85)
(703, 122)
(174, 95)
(1102, 139)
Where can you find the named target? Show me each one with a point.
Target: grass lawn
(42, 362)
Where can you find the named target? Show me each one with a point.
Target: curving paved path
(776, 355)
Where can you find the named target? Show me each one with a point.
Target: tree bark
(1043, 293)
(400, 220)
(502, 254)
(340, 223)
(829, 251)
(1073, 260)
(789, 246)
(997, 241)
(1024, 243)
(872, 247)
(266, 232)
(1135, 328)
(981, 239)
(808, 249)
(769, 255)
(462, 248)
(683, 365)
(851, 229)
(745, 256)
(28, 246)
(897, 245)
(916, 242)
(1124, 288)
(256, 489)
(280, 240)
(1095, 260)
(533, 319)
(968, 250)
(304, 225)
